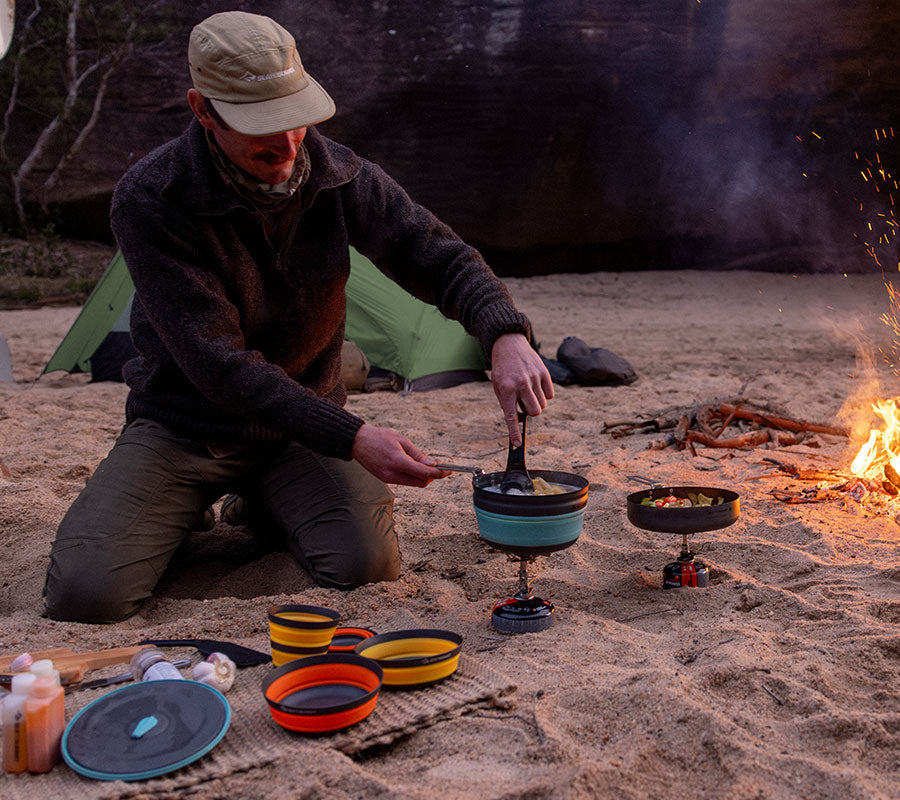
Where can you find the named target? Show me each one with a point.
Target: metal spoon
(516, 476)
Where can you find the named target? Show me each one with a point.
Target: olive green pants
(152, 489)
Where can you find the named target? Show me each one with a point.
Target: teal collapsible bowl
(530, 524)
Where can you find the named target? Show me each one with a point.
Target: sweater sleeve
(427, 258)
(195, 326)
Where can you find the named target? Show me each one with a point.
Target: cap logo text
(250, 77)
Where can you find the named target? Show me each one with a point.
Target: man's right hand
(393, 458)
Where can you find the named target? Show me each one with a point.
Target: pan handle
(460, 468)
(641, 479)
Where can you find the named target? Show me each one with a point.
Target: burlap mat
(254, 740)
(399, 712)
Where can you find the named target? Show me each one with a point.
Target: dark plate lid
(145, 729)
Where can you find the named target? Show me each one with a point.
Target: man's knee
(368, 566)
(87, 601)
(80, 587)
(359, 551)
(351, 576)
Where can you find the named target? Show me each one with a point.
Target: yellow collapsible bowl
(413, 658)
(297, 631)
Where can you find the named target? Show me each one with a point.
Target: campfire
(877, 462)
(878, 459)
(736, 424)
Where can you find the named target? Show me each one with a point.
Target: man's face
(267, 158)
(270, 158)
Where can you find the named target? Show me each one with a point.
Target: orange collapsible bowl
(298, 631)
(346, 639)
(323, 694)
(413, 658)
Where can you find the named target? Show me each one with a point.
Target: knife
(121, 678)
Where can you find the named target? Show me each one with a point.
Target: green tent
(397, 332)
(105, 311)
(403, 335)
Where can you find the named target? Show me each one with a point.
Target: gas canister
(685, 572)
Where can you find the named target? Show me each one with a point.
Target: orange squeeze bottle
(45, 721)
(15, 757)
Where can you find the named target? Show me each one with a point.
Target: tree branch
(24, 49)
(121, 53)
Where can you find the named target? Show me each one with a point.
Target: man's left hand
(393, 458)
(520, 379)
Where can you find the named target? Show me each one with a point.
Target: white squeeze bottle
(15, 749)
(44, 668)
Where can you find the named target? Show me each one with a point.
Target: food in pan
(691, 501)
(541, 487)
(544, 487)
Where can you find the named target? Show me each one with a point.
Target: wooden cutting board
(72, 666)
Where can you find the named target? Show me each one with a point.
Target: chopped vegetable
(701, 499)
(691, 501)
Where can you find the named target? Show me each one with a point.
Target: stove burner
(523, 612)
(685, 572)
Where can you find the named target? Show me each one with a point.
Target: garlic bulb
(21, 663)
(217, 671)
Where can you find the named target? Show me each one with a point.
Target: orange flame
(883, 446)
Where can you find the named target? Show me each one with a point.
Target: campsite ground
(779, 680)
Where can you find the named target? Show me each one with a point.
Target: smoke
(748, 117)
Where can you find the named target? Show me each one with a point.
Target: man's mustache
(273, 157)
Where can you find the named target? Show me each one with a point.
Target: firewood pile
(723, 424)
(840, 485)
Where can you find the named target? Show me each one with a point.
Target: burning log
(850, 487)
(807, 474)
(892, 477)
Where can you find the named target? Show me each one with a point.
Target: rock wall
(574, 135)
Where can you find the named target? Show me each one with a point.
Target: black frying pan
(683, 520)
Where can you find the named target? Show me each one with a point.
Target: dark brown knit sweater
(239, 338)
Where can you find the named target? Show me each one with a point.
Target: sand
(781, 679)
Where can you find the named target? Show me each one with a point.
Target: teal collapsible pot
(530, 524)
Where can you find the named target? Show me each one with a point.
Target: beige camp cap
(248, 66)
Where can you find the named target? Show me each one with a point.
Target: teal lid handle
(145, 725)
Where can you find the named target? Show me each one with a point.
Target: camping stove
(523, 612)
(685, 571)
(525, 527)
(710, 509)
